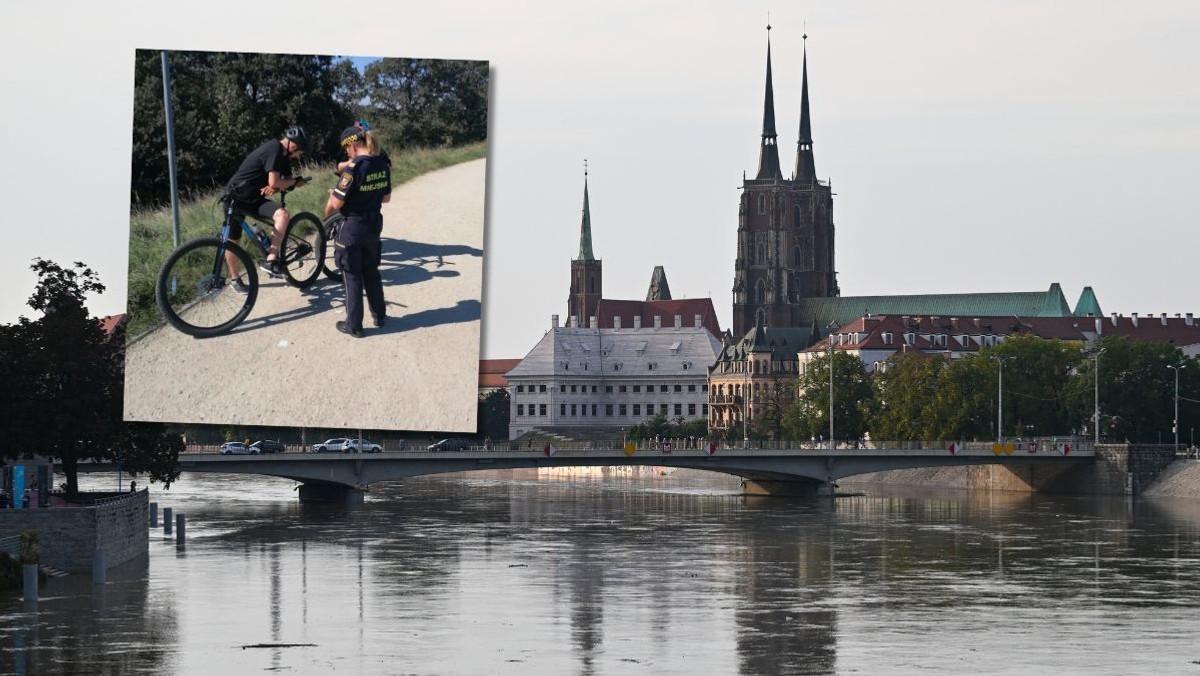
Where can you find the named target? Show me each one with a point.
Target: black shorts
(261, 206)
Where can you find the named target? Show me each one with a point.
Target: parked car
(267, 446)
(330, 445)
(451, 444)
(351, 446)
(237, 448)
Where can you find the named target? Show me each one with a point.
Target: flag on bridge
(550, 450)
(630, 448)
(953, 448)
(712, 448)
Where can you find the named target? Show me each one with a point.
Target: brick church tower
(586, 270)
(785, 227)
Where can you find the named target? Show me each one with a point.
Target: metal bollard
(30, 572)
(99, 567)
(180, 527)
(154, 515)
(167, 511)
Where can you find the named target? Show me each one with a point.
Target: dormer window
(887, 337)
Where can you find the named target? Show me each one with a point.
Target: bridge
(775, 469)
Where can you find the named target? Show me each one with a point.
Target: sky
(981, 146)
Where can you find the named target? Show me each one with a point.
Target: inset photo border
(217, 334)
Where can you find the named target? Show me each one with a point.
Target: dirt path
(286, 365)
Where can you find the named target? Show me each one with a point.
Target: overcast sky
(973, 146)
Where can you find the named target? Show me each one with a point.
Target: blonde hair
(373, 146)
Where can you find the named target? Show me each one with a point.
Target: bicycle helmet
(297, 135)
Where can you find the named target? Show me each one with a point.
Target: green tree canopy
(808, 417)
(70, 375)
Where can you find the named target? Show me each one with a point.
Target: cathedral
(785, 274)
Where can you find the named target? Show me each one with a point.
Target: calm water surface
(630, 574)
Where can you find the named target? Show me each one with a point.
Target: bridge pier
(331, 493)
(799, 488)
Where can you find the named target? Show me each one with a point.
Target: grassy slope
(150, 240)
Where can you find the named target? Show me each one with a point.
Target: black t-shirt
(251, 177)
(362, 186)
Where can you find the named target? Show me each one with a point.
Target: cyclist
(265, 171)
(364, 185)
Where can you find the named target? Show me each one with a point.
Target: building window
(593, 410)
(691, 409)
(573, 409)
(678, 409)
(622, 388)
(520, 409)
(637, 388)
(691, 388)
(572, 389)
(608, 408)
(887, 338)
(762, 204)
(608, 388)
(541, 409)
(520, 388)
(651, 366)
(704, 409)
(662, 408)
(593, 389)
(637, 409)
(622, 409)
(562, 388)
(679, 388)
(541, 388)
(562, 409)
(662, 388)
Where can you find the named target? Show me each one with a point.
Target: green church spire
(585, 228)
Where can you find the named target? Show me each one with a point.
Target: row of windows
(610, 409)
(609, 388)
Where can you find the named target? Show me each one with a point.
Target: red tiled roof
(491, 372)
(110, 323)
(608, 309)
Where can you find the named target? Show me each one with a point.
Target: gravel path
(287, 365)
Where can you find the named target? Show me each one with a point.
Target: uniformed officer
(364, 185)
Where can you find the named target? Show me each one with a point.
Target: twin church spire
(768, 157)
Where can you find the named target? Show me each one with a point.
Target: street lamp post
(1000, 401)
(1175, 423)
(1096, 400)
(833, 326)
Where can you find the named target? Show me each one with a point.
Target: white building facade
(613, 378)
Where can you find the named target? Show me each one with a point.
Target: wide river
(623, 573)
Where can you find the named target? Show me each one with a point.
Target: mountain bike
(194, 291)
(330, 228)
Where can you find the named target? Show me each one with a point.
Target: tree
(493, 414)
(429, 102)
(1137, 391)
(902, 392)
(772, 400)
(852, 397)
(71, 375)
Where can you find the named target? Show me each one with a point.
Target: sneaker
(272, 268)
(342, 327)
(378, 320)
(237, 285)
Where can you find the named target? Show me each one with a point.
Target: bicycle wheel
(330, 267)
(303, 250)
(194, 292)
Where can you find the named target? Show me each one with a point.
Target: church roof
(1088, 306)
(658, 290)
(845, 309)
(783, 342)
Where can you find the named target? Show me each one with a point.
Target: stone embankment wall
(1118, 469)
(68, 537)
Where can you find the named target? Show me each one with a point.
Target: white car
(237, 448)
(330, 445)
(351, 446)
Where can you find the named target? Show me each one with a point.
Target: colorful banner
(550, 450)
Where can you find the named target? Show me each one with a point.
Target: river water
(622, 573)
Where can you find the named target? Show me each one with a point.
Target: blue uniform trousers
(357, 252)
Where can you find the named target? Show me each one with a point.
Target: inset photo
(306, 240)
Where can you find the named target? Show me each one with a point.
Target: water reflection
(613, 574)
